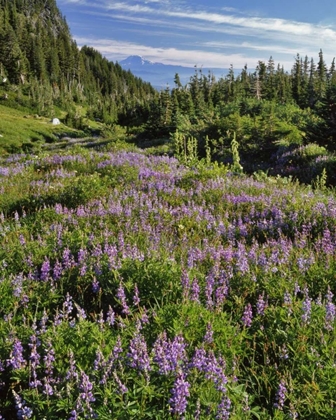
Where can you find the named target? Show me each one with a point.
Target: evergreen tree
(13, 59)
(321, 77)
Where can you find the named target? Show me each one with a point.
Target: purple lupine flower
(136, 298)
(318, 300)
(144, 317)
(287, 298)
(222, 290)
(242, 263)
(81, 258)
(197, 413)
(306, 307)
(24, 300)
(43, 323)
(110, 364)
(138, 354)
(47, 387)
(22, 240)
(98, 362)
(199, 360)
(49, 359)
(122, 298)
(159, 351)
(81, 314)
(169, 355)
(34, 361)
(95, 285)
(85, 396)
(247, 316)
(72, 372)
(67, 259)
(100, 320)
(57, 271)
(45, 270)
(17, 285)
(215, 371)
(2, 369)
(185, 282)
(208, 338)
(327, 244)
(58, 318)
(284, 352)
(16, 217)
(292, 412)
(82, 270)
(23, 412)
(195, 291)
(223, 410)
(280, 395)
(261, 304)
(180, 392)
(330, 311)
(74, 415)
(176, 354)
(110, 316)
(246, 406)
(67, 305)
(297, 288)
(86, 386)
(121, 388)
(209, 287)
(213, 368)
(16, 360)
(117, 350)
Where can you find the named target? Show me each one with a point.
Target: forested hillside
(39, 57)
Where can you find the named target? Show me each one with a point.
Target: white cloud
(281, 38)
(259, 23)
(276, 49)
(306, 36)
(229, 9)
(117, 51)
(124, 7)
(80, 2)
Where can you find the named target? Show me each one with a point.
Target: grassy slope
(23, 131)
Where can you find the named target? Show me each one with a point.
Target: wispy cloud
(229, 9)
(81, 2)
(247, 34)
(259, 23)
(276, 49)
(287, 31)
(117, 50)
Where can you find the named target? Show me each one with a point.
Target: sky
(209, 33)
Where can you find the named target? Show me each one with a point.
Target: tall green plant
(236, 166)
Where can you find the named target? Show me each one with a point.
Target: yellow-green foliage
(21, 131)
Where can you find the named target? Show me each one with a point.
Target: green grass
(23, 131)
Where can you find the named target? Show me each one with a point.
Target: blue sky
(209, 33)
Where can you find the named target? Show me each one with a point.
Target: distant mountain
(160, 75)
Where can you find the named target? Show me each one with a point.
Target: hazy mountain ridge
(160, 75)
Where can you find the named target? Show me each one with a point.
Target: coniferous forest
(163, 255)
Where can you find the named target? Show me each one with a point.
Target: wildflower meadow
(136, 286)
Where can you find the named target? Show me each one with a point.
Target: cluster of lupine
(135, 287)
